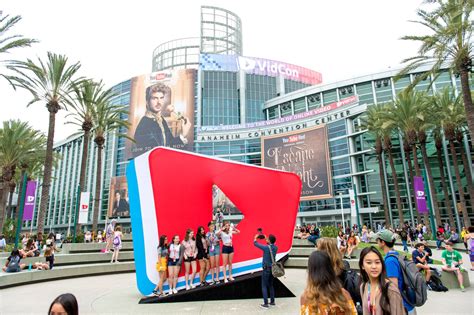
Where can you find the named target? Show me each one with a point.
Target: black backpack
(436, 284)
(351, 281)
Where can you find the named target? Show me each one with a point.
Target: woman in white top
(175, 256)
(190, 253)
(227, 248)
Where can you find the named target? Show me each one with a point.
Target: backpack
(277, 267)
(351, 281)
(414, 290)
(116, 240)
(436, 284)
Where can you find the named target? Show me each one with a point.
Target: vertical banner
(30, 198)
(420, 194)
(84, 207)
(353, 203)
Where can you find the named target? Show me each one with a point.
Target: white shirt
(226, 238)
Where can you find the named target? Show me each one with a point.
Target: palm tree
(467, 169)
(454, 117)
(407, 149)
(106, 119)
(18, 142)
(51, 83)
(450, 43)
(374, 123)
(407, 115)
(439, 154)
(87, 94)
(387, 131)
(7, 41)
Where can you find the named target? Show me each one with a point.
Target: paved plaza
(117, 294)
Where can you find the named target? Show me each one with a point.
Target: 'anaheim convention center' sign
(304, 153)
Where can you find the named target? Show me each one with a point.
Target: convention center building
(224, 104)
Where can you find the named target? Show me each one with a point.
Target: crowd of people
(34, 246)
(381, 287)
(203, 248)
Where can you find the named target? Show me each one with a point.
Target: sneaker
(170, 292)
(155, 292)
(463, 289)
(187, 287)
(264, 306)
(193, 286)
(175, 291)
(231, 279)
(217, 281)
(211, 283)
(225, 281)
(272, 304)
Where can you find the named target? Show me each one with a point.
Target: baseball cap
(385, 235)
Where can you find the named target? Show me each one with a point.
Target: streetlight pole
(342, 213)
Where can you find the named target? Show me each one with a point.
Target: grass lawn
(364, 245)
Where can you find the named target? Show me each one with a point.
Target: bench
(63, 272)
(450, 280)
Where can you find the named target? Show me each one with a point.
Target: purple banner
(30, 199)
(420, 194)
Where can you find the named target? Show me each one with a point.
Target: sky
(114, 40)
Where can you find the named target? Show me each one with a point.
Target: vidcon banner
(84, 207)
(420, 194)
(305, 153)
(30, 199)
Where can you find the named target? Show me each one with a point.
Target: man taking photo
(267, 277)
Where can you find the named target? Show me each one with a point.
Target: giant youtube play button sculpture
(171, 191)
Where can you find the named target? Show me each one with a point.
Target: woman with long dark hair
(64, 304)
(324, 294)
(202, 255)
(380, 296)
(161, 264)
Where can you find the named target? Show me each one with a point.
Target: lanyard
(369, 305)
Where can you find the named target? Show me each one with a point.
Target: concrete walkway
(117, 294)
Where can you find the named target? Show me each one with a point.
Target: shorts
(202, 256)
(189, 259)
(215, 252)
(13, 268)
(161, 264)
(227, 249)
(471, 256)
(173, 262)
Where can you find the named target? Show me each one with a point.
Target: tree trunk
(467, 169)
(20, 187)
(82, 176)
(445, 187)
(466, 95)
(395, 183)
(98, 184)
(12, 186)
(412, 185)
(459, 183)
(378, 150)
(431, 184)
(2, 203)
(48, 164)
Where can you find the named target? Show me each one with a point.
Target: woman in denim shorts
(214, 252)
(227, 249)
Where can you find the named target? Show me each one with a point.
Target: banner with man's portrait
(118, 198)
(161, 111)
(305, 153)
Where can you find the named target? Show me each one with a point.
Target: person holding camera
(267, 277)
